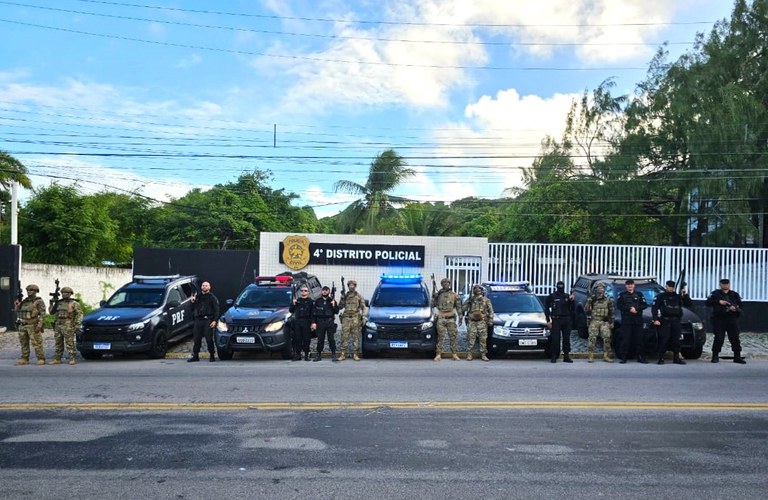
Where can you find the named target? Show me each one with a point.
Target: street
(387, 428)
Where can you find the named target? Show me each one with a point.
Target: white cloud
(189, 62)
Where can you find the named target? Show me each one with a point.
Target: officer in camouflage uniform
(353, 305)
(448, 305)
(67, 316)
(479, 318)
(601, 322)
(31, 314)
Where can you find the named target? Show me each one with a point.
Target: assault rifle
(434, 285)
(55, 297)
(343, 290)
(333, 290)
(19, 298)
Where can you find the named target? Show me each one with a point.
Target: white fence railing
(544, 264)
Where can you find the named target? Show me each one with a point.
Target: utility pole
(14, 213)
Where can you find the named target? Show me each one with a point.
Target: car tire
(91, 355)
(225, 354)
(287, 352)
(693, 353)
(159, 344)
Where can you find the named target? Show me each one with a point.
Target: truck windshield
(264, 298)
(401, 297)
(506, 302)
(136, 298)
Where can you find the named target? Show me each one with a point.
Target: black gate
(10, 264)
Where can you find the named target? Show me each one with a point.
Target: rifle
(434, 285)
(55, 297)
(293, 290)
(343, 290)
(19, 298)
(333, 290)
(681, 284)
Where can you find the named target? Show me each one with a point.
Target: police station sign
(346, 254)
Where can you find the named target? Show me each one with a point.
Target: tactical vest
(671, 306)
(601, 308)
(353, 303)
(446, 301)
(65, 313)
(477, 308)
(28, 309)
(560, 306)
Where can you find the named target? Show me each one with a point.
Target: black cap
(629, 282)
(671, 283)
(559, 284)
(326, 288)
(725, 281)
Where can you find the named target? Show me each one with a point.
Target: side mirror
(102, 303)
(229, 302)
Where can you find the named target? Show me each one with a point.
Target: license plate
(102, 346)
(398, 345)
(246, 340)
(528, 342)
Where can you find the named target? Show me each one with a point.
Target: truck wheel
(159, 345)
(694, 353)
(225, 355)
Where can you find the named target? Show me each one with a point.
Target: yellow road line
(398, 405)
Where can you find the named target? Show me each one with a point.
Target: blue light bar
(401, 278)
(508, 286)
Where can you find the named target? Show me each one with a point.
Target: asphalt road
(390, 428)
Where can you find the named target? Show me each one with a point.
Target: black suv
(259, 320)
(400, 317)
(141, 316)
(519, 322)
(693, 336)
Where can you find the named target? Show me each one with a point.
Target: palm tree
(376, 203)
(11, 170)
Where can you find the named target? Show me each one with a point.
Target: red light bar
(283, 278)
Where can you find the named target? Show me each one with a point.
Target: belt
(446, 314)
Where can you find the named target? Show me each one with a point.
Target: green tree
(377, 203)
(429, 219)
(11, 170)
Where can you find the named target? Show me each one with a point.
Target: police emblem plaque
(296, 252)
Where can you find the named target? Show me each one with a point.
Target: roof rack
(508, 286)
(142, 278)
(630, 277)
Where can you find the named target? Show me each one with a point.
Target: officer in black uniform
(631, 304)
(205, 308)
(667, 310)
(302, 309)
(558, 308)
(324, 314)
(726, 309)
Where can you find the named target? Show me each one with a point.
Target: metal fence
(545, 264)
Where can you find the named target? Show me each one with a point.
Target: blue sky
(161, 96)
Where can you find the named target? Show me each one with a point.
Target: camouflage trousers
(27, 333)
(350, 327)
(61, 334)
(446, 325)
(603, 329)
(477, 330)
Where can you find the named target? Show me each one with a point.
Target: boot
(212, 357)
(40, 361)
(677, 359)
(438, 357)
(342, 357)
(56, 361)
(194, 358)
(72, 361)
(642, 360)
(591, 356)
(715, 357)
(318, 357)
(567, 359)
(607, 357)
(356, 357)
(455, 357)
(484, 358)
(333, 357)
(22, 362)
(553, 360)
(661, 360)
(469, 356)
(738, 359)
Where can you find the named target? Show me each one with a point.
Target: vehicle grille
(104, 333)
(525, 330)
(399, 331)
(245, 328)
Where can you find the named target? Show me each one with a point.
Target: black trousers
(324, 327)
(669, 336)
(302, 334)
(632, 337)
(561, 329)
(202, 328)
(721, 326)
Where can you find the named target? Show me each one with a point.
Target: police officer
(632, 304)
(667, 310)
(324, 314)
(31, 314)
(479, 318)
(558, 308)
(353, 305)
(302, 309)
(602, 316)
(726, 309)
(67, 316)
(448, 306)
(205, 309)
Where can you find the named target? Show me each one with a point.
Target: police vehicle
(141, 316)
(259, 320)
(400, 317)
(693, 334)
(519, 322)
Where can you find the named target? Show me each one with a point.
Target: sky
(162, 96)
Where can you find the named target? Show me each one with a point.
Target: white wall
(367, 277)
(89, 282)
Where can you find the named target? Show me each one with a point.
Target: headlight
(427, 325)
(138, 326)
(371, 325)
(275, 326)
(221, 326)
(498, 330)
(698, 325)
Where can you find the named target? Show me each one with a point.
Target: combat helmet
(33, 287)
(445, 280)
(67, 289)
(351, 282)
